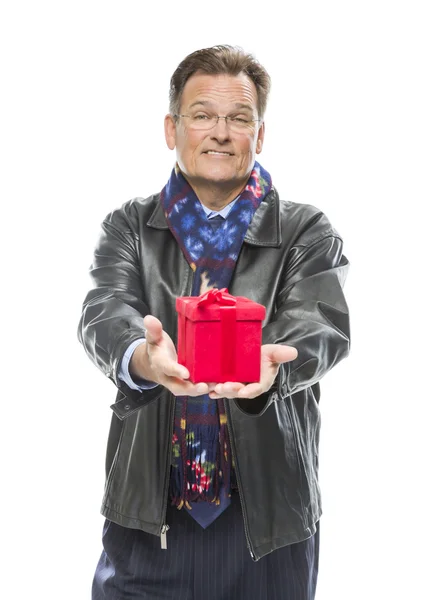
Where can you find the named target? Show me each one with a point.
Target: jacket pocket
(112, 469)
(305, 420)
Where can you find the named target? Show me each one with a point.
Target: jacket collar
(264, 230)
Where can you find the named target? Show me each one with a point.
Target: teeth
(221, 153)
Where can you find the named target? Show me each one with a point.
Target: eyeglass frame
(217, 117)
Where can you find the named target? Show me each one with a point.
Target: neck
(216, 197)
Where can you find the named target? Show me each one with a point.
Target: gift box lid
(208, 306)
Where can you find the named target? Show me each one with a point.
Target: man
(212, 488)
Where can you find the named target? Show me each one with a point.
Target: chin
(219, 175)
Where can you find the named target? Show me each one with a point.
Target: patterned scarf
(201, 448)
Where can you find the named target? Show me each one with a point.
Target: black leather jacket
(291, 262)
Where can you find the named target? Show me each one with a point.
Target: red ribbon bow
(217, 296)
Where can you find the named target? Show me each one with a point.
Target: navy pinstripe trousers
(201, 564)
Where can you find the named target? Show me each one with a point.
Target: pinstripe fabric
(201, 564)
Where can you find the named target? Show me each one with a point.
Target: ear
(170, 131)
(260, 137)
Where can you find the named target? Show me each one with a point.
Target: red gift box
(220, 337)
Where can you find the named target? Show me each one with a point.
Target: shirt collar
(223, 213)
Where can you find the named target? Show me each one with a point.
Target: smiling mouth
(214, 153)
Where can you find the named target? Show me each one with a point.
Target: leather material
(292, 263)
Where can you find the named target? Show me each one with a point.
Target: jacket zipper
(239, 484)
(164, 530)
(164, 526)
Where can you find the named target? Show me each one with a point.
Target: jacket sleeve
(312, 314)
(114, 308)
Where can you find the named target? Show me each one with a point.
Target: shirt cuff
(137, 384)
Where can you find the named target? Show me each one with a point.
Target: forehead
(219, 90)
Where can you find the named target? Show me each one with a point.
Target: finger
(199, 389)
(252, 390)
(186, 388)
(228, 388)
(170, 368)
(153, 327)
(279, 354)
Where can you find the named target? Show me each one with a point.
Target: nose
(220, 131)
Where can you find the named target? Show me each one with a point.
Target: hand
(157, 361)
(272, 356)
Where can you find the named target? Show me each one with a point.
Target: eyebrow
(208, 103)
(241, 105)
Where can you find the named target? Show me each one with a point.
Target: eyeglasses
(205, 122)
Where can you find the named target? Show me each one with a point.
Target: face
(218, 155)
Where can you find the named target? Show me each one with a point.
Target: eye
(240, 120)
(201, 117)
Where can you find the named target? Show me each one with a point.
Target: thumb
(154, 330)
(279, 353)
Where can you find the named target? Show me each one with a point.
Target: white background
(353, 127)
